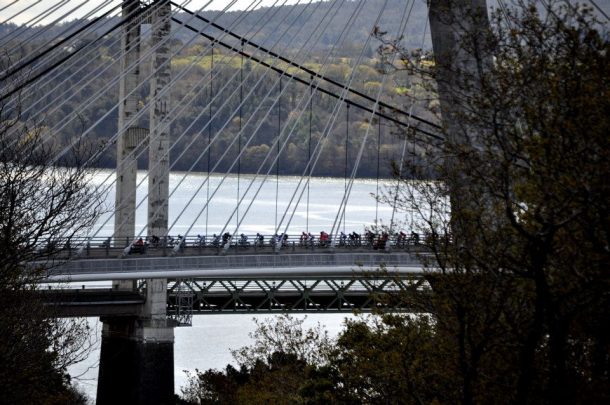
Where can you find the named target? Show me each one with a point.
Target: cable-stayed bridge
(236, 88)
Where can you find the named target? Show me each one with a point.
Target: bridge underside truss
(293, 295)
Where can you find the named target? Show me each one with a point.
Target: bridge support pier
(137, 356)
(136, 363)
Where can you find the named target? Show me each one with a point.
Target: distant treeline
(258, 118)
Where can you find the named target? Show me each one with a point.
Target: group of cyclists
(306, 239)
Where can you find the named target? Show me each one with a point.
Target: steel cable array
(43, 62)
(183, 105)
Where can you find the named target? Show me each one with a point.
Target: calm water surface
(278, 205)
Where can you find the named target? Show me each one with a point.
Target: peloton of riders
(306, 239)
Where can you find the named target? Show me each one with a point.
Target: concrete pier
(136, 363)
(137, 354)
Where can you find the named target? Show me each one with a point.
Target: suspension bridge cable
(241, 98)
(505, 12)
(267, 156)
(334, 115)
(94, 72)
(251, 137)
(120, 132)
(403, 154)
(184, 133)
(33, 21)
(184, 106)
(279, 134)
(60, 97)
(321, 90)
(193, 63)
(37, 76)
(116, 80)
(54, 23)
(171, 113)
(40, 17)
(8, 5)
(286, 139)
(309, 151)
(68, 28)
(62, 124)
(20, 66)
(29, 91)
(210, 103)
(349, 23)
(311, 72)
(62, 85)
(346, 155)
(377, 175)
(31, 79)
(329, 124)
(20, 12)
(142, 110)
(224, 154)
(343, 205)
(261, 166)
(601, 11)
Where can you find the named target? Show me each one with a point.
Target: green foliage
(283, 351)
(393, 359)
(285, 335)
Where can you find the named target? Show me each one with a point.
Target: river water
(208, 342)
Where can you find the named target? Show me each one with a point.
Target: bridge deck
(263, 265)
(341, 280)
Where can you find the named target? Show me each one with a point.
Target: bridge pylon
(458, 29)
(137, 353)
(125, 202)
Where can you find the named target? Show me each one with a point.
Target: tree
(44, 204)
(274, 369)
(389, 359)
(519, 222)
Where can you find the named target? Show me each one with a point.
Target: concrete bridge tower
(125, 202)
(459, 29)
(137, 353)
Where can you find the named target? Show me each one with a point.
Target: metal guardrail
(227, 244)
(143, 266)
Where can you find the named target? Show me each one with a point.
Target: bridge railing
(234, 244)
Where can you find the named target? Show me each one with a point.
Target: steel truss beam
(365, 293)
